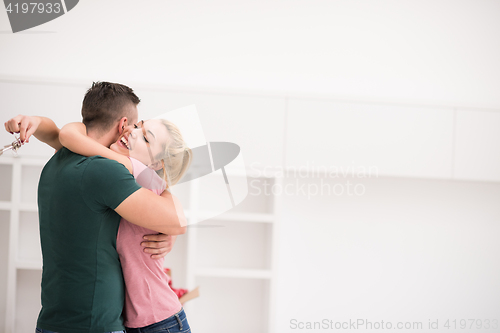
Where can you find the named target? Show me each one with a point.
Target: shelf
(212, 191)
(25, 207)
(8, 159)
(235, 273)
(28, 287)
(40, 161)
(5, 205)
(6, 181)
(29, 264)
(29, 183)
(236, 216)
(235, 245)
(28, 251)
(245, 217)
(28, 207)
(236, 300)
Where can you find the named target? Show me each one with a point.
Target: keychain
(14, 146)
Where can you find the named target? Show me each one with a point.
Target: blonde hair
(175, 154)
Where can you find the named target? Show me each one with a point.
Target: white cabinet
(230, 257)
(477, 148)
(395, 140)
(23, 263)
(28, 302)
(4, 257)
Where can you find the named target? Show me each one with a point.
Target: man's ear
(123, 123)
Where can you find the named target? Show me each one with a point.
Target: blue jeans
(175, 324)
(39, 330)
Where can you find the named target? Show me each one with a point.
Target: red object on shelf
(179, 292)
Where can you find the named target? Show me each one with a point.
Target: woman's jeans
(175, 324)
(39, 330)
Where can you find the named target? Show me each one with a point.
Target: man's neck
(106, 140)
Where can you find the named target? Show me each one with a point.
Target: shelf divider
(5, 205)
(29, 264)
(235, 273)
(235, 216)
(28, 207)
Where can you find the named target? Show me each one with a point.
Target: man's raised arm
(162, 213)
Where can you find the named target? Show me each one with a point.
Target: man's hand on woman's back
(158, 245)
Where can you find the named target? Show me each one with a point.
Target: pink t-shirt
(148, 297)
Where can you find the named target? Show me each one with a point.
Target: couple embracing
(107, 218)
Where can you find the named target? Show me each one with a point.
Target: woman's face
(134, 144)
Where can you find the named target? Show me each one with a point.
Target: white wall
(431, 51)
(405, 250)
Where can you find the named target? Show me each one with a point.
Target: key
(14, 146)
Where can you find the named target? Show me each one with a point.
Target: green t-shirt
(82, 281)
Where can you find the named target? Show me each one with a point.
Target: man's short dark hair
(103, 104)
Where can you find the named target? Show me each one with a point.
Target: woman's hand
(24, 125)
(158, 245)
(42, 128)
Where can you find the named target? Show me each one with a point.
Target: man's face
(131, 109)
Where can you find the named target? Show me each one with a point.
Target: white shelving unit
(24, 260)
(230, 257)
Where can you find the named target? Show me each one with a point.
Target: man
(80, 201)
